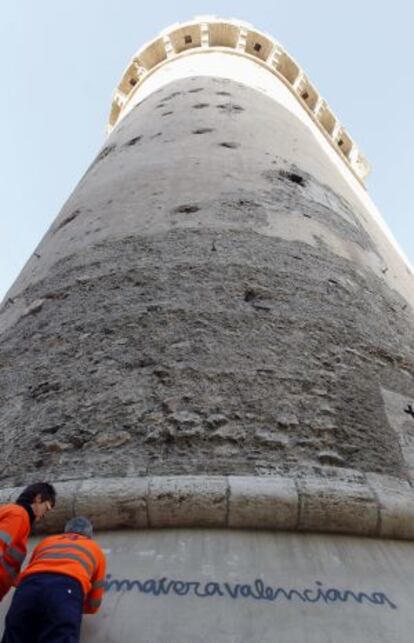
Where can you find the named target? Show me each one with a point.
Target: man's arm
(12, 529)
(94, 599)
(13, 540)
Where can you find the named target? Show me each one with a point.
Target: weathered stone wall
(211, 299)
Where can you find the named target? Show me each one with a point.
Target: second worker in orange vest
(16, 520)
(64, 578)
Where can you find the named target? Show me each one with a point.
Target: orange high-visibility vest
(72, 555)
(14, 533)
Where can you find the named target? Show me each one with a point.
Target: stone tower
(217, 332)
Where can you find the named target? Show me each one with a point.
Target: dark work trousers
(46, 608)
(4, 584)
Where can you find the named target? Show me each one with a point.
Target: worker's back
(76, 556)
(65, 577)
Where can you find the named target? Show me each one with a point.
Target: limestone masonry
(218, 314)
(211, 352)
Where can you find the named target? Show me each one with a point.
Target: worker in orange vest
(15, 525)
(65, 577)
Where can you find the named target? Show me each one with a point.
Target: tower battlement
(209, 34)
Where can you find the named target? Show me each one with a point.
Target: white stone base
(372, 505)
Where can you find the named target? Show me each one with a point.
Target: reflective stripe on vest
(9, 570)
(16, 554)
(94, 602)
(78, 559)
(58, 547)
(5, 537)
(98, 584)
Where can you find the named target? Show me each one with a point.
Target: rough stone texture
(396, 503)
(400, 416)
(263, 503)
(195, 501)
(335, 504)
(9, 494)
(200, 308)
(338, 506)
(110, 503)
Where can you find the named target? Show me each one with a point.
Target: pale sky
(61, 60)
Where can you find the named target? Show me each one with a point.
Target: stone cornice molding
(369, 505)
(208, 34)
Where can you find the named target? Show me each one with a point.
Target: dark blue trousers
(46, 608)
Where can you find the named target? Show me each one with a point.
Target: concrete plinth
(193, 586)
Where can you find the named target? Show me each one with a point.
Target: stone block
(263, 503)
(396, 503)
(337, 506)
(111, 503)
(187, 501)
(9, 494)
(35, 307)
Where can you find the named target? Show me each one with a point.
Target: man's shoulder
(12, 509)
(73, 539)
(97, 547)
(46, 540)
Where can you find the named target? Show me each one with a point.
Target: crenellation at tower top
(234, 37)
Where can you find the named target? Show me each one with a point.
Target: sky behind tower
(61, 60)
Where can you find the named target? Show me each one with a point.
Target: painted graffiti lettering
(256, 590)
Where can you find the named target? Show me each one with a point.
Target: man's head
(79, 525)
(41, 496)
